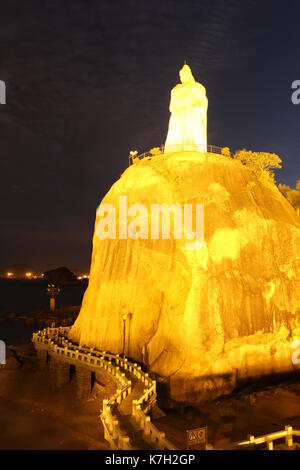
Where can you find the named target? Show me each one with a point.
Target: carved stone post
(289, 436)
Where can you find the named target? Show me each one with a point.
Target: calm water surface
(25, 297)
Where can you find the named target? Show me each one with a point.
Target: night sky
(87, 81)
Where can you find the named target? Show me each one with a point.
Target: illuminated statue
(188, 121)
(204, 318)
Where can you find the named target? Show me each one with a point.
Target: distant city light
(83, 276)
(22, 275)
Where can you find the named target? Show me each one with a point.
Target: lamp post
(124, 332)
(132, 155)
(52, 291)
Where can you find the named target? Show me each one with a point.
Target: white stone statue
(188, 121)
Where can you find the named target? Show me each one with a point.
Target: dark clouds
(89, 80)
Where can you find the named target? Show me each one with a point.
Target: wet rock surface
(36, 414)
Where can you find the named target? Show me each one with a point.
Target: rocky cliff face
(203, 319)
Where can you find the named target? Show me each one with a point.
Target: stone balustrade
(56, 344)
(134, 158)
(156, 438)
(268, 439)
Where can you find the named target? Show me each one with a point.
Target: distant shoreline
(29, 297)
(18, 329)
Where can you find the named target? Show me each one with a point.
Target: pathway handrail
(155, 437)
(268, 439)
(134, 156)
(95, 361)
(55, 342)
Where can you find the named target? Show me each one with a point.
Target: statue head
(186, 75)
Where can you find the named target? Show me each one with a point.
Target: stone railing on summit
(134, 157)
(53, 342)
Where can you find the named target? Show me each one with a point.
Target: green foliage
(259, 162)
(292, 195)
(226, 152)
(155, 151)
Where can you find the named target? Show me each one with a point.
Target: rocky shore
(63, 316)
(35, 414)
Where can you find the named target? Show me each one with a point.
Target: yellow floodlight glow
(188, 121)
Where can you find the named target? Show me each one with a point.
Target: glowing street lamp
(52, 291)
(132, 155)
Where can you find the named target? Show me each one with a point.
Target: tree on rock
(226, 152)
(292, 195)
(259, 162)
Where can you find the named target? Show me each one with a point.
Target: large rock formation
(203, 319)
